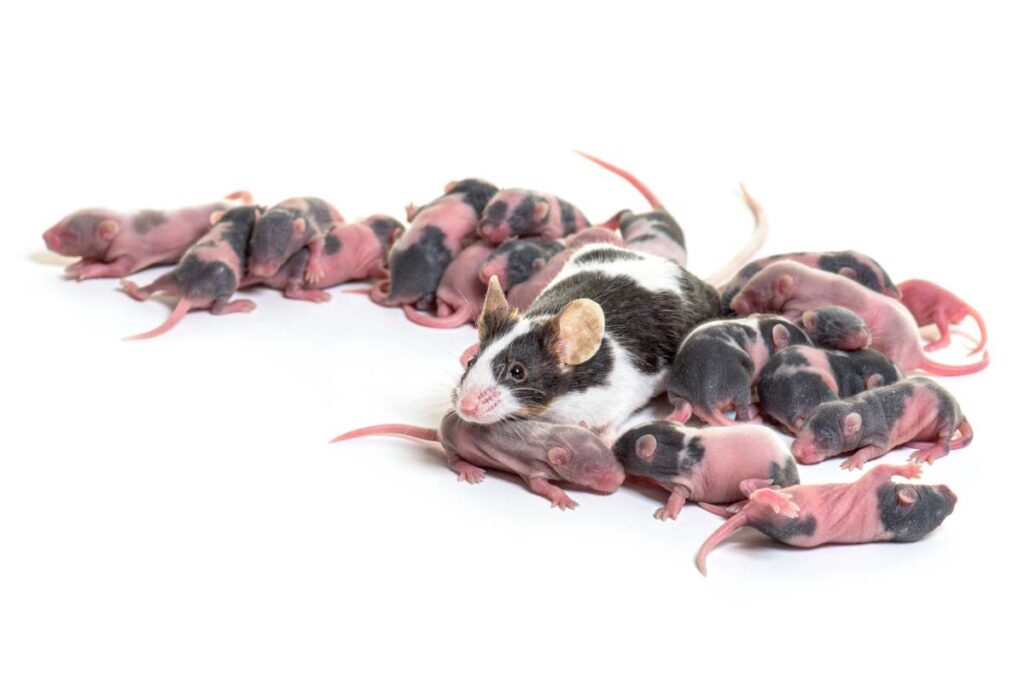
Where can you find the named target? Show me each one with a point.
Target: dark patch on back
(144, 221)
(200, 280)
(417, 269)
(568, 212)
(787, 397)
(522, 218)
(332, 245)
(475, 193)
(849, 380)
(384, 229)
(785, 530)
(496, 211)
(911, 522)
(835, 261)
(321, 213)
(893, 400)
(792, 357)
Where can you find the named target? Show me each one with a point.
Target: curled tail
(720, 534)
(180, 309)
(461, 316)
(952, 370)
(400, 430)
(981, 328)
(722, 275)
(628, 177)
(966, 435)
(380, 292)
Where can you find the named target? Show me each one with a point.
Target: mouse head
(835, 427)
(511, 213)
(516, 261)
(836, 327)
(768, 290)
(658, 450)
(87, 233)
(578, 456)
(861, 269)
(910, 511)
(279, 233)
(386, 229)
(525, 362)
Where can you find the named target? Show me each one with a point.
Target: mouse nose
(52, 239)
(946, 491)
(469, 405)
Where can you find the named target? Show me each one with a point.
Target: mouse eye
(516, 371)
(471, 362)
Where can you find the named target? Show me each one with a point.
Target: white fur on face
(481, 378)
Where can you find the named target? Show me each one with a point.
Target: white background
(170, 509)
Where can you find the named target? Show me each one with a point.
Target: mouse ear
(906, 495)
(558, 456)
(851, 424)
(216, 216)
(646, 445)
(495, 307)
(299, 226)
(538, 263)
(449, 187)
(579, 330)
(874, 381)
(847, 271)
(615, 221)
(809, 320)
(410, 210)
(107, 229)
(540, 211)
(780, 336)
(784, 285)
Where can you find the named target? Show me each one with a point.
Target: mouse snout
(477, 403)
(495, 231)
(52, 238)
(608, 480)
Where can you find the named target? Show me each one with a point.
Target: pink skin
(304, 222)
(736, 461)
(460, 296)
(930, 304)
(792, 288)
(545, 220)
(212, 248)
(539, 452)
(115, 245)
(815, 260)
(863, 431)
(522, 295)
(839, 513)
(361, 255)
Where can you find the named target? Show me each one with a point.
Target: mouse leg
(119, 267)
(857, 460)
(558, 497)
(73, 269)
(675, 503)
(299, 293)
(931, 453)
(225, 307)
(941, 322)
(748, 486)
(468, 472)
(314, 267)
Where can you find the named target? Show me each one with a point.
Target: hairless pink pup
(539, 452)
(352, 251)
(712, 465)
(931, 304)
(515, 213)
(114, 244)
(209, 273)
(792, 288)
(869, 510)
(460, 296)
(916, 412)
(436, 234)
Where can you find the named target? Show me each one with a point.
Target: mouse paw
(780, 502)
(468, 472)
(852, 463)
(664, 514)
(563, 501)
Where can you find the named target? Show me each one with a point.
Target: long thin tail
(357, 290)
(760, 234)
(400, 430)
(243, 196)
(966, 435)
(628, 177)
(461, 316)
(945, 370)
(981, 327)
(180, 309)
(719, 535)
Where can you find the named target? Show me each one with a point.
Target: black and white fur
(649, 305)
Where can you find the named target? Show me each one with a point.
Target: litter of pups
(582, 325)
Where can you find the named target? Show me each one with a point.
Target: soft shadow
(48, 258)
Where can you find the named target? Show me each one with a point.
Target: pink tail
(628, 177)
(380, 292)
(981, 327)
(953, 370)
(408, 431)
(719, 535)
(966, 436)
(722, 275)
(243, 196)
(720, 510)
(358, 290)
(461, 316)
(180, 309)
